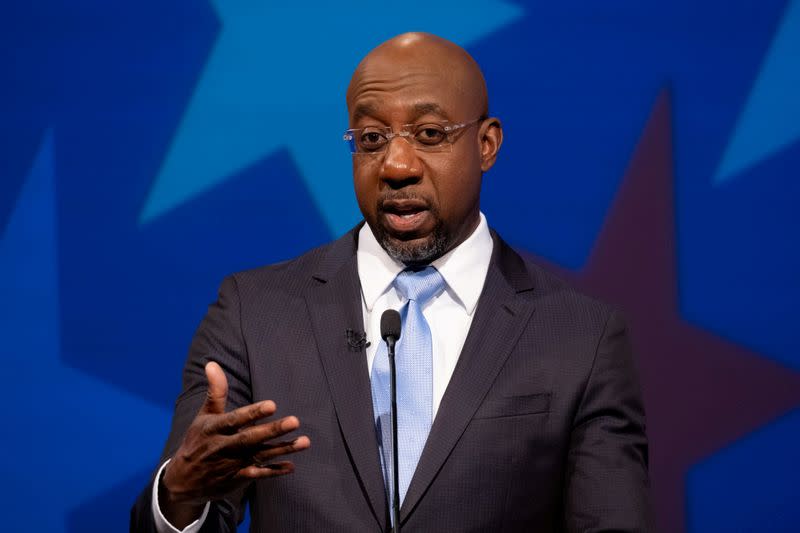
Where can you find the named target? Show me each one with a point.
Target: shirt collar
(463, 268)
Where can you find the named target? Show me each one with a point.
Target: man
(519, 408)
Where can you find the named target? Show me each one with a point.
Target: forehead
(406, 93)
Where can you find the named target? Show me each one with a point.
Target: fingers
(280, 468)
(256, 436)
(217, 392)
(273, 450)
(230, 423)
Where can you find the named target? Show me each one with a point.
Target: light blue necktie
(413, 359)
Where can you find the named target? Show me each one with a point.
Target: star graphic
(73, 435)
(276, 78)
(770, 120)
(582, 81)
(701, 392)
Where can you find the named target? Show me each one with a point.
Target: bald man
(518, 404)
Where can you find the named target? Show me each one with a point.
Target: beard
(414, 251)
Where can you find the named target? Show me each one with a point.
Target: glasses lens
(349, 138)
(371, 140)
(430, 135)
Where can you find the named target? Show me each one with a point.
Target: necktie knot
(420, 285)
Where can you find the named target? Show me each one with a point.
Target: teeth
(408, 215)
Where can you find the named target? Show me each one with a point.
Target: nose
(401, 165)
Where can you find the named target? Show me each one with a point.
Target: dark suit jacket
(540, 429)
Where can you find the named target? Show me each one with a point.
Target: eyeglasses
(425, 136)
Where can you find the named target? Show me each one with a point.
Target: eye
(430, 134)
(371, 139)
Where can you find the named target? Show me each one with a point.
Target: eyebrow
(363, 110)
(428, 108)
(421, 109)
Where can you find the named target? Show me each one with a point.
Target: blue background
(149, 148)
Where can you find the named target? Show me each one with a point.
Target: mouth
(406, 218)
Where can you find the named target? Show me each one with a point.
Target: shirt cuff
(162, 525)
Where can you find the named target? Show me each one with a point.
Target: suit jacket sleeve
(607, 483)
(219, 338)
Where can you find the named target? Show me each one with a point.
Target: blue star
(73, 436)
(276, 78)
(770, 120)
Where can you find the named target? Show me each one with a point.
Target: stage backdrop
(148, 148)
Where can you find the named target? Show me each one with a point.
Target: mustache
(403, 196)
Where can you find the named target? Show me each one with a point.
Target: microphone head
(390, 324)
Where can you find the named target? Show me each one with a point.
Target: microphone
(356, 340)
(390, 326)
(390, 333)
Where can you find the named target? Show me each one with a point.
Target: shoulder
(557, 299)
(292, 277)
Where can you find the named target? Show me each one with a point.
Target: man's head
(420, 203)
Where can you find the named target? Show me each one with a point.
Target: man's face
(418, 204)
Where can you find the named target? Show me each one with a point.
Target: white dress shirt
(449, 315)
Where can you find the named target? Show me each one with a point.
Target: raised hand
(223, 451)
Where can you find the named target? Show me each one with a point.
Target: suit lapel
(334, 306)
(500, 318)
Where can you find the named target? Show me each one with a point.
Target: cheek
(365, 189)
(365, 170)
(457, 183)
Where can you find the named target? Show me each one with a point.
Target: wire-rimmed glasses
(424, 136)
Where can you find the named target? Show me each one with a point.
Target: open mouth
(406, 216)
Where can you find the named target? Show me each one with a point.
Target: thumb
(217, 391)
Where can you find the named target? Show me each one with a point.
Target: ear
(491, 137)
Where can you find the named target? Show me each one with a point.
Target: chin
(417, 251)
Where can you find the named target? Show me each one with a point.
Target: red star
(701, 392)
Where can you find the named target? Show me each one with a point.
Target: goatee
(415, 251)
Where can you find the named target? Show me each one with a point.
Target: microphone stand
(390, 342)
